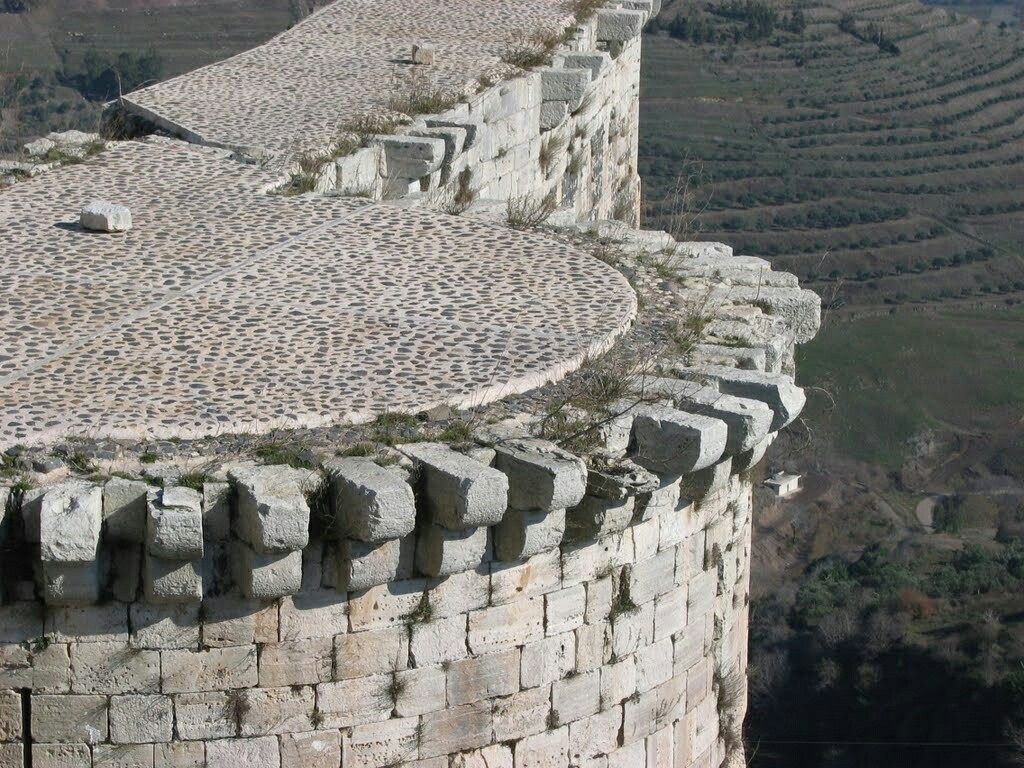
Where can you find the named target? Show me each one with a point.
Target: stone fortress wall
(505, 604)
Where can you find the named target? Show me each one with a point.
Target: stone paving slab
(292, 93)
(225, 309)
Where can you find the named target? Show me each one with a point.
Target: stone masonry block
(61, 756)
(460, 492)
(70, 521)
(776, 390)
(564, 610)
(273, 514)
(315, 749)
(353, 702)
(391, 742)
(619, 25)
(502, 626)
(10, 716)
(386, 605)
(179, 754)
(361, 654)
(541, 475)
(165, 626)
(141, 719)
(122, 756)
(313, 614)
(456, 729)
(553, 114)
(360, 566)
(522, 714)
(209, 715)
(673, 442)
(209, 670)
(302, 662)
(542, 750)
(371, 503)
(576, 697)
(174, 525)
(548, 660)
(266, 711)
(114, 668)
(69, 719)
(441, 551)
(533, 577)
(13, 756)
(593, 736)
(232, 753)
(71, 583)
(438, 641)
(266, 577)
(420, 691)
(124, 509)
(87, 624)
(411, 157)
(171, 581)
(522, 534)
(748, 420)
(595, 61)
(568, 85)
(100, 216)
(596, 517)
(485, 677)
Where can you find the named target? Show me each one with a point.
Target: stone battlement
(563, 581)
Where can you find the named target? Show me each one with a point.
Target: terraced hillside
(894, 174)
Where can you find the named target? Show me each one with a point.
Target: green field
(893, 376)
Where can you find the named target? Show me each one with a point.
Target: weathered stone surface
(273, 514)
(265, 711)
(361, 654)
(596, 517)
(593, 736)
(576, 697)
(61, 756)
(353, 702)
(494, 629)
(10, 716)
(522, 714)
(541, 475)
(564, 610)
(122, 756)
(114, 668)
(544, 750)
(548, 660)
(456, 729)
(265, 577)
(442, 551)
(174, 528)
(532, 577)
(776, 390)
(386, 743)
(371, 503)
(105, 217)
(410, 157)
(217, 510)
(165, 626)
(70, 521)
(209, 670)
(71, 583)
(564, 85)
(141, 719)
(73, 719)
(232, 753)
(423, 53)
(124, 509)
(460, 492)
(210, 715)
(171, 581)
(179, 754)
(322, 613)
(522, 534)
(386, 605)
(302, 662)
(315, 749)
(361, 566)
(420, 691)
(620, 480)
(232, 621)
(673, 442)
(619, 25)
(483, 677)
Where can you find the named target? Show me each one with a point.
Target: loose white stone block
(460, 492)
(273, 514)
(371, 503)
(423, 53)
(105, 217)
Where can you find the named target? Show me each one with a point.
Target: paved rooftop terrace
(292, 93)
(226, 309)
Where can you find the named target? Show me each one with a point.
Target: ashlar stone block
(522, 534)
(673, 442)
(541, 475)
(273, 514)
(266, 576)
(124, 509)
(460, 492)
(442, 551)
(371, 503)
(174, 528)
(141, 719)
(70, 521)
